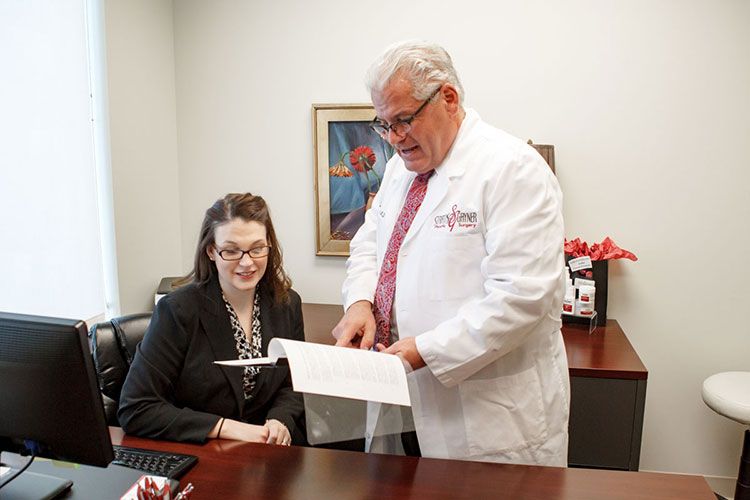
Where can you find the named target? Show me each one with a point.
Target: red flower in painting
(362, 158)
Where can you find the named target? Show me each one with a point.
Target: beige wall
(143, 134)
(646, 103)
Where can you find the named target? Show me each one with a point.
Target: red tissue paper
(606, 250)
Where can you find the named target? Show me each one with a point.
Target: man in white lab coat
(479, 274)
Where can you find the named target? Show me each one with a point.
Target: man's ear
(449, 96)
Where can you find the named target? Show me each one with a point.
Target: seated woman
(237, 299)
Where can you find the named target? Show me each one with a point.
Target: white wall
(143, 129)
(646, 103)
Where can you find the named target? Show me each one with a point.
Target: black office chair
(113, 346)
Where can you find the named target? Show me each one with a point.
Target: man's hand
(357, 327)
(406, 349)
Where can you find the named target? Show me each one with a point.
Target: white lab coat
(480, 282)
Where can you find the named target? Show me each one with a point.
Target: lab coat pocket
(453, 266)
(504, 414)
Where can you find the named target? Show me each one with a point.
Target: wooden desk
(607, 384)
(228, 469)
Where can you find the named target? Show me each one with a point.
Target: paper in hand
(337, 371)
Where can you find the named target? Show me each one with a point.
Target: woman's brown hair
(248, 208)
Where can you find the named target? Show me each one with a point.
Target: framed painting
(547, 151)
(350, 163)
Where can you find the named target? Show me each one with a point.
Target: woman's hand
(240, 431)
(277, 433)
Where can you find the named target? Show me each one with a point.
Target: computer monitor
(49, 396)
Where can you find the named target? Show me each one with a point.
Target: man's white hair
(424, 64)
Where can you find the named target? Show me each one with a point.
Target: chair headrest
(113, 344)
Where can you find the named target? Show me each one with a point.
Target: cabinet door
(606, 421)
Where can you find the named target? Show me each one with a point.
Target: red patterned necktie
(387, 279)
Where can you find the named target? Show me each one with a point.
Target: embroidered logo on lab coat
(456, 218)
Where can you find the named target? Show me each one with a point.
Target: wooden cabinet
(607, 400)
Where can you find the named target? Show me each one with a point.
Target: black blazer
(174, 391)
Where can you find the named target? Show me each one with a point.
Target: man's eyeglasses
(400, 127)
(254, 253)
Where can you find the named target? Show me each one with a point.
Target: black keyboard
(155, 463)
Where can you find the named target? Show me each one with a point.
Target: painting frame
(323, 116)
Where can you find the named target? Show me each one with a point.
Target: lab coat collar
(449, 169)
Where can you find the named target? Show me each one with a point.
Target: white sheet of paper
(247, 362)
(338, 371)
